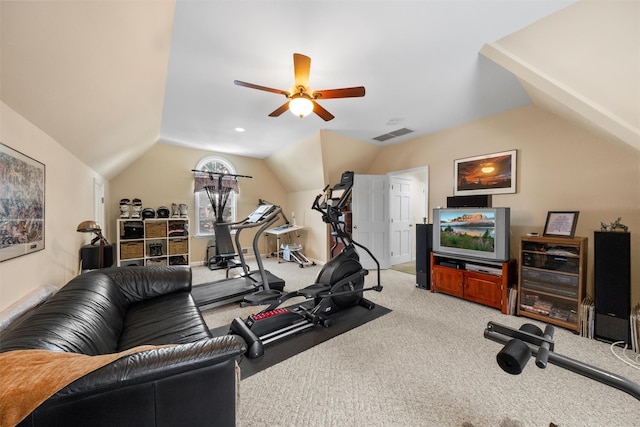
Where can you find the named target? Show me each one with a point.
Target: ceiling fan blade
(324, 114)
(267, 89)
(347, 92)
(301, 69)
(281, 109)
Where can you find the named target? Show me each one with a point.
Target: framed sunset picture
(488, 174)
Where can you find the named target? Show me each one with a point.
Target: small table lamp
(94, 227)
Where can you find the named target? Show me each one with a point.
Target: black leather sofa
(107, 311)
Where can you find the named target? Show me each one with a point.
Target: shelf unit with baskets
(148, 242)
(552, 279)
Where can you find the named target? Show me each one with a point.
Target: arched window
(205, 217)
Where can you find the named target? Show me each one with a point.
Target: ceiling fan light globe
(301, 106)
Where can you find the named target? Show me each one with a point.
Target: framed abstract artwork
(22, 200)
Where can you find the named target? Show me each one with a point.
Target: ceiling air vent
(395, 133)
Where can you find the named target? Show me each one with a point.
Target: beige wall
(299, 166)
(314, 235)
(340, 153)
(68, 201)
(163, 176)
(559, 167)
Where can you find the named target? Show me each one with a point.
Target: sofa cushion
(85, 316)
(138, 284)
(169, 319)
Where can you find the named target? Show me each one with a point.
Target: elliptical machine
(339, 285)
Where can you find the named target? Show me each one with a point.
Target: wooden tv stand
(449, 275)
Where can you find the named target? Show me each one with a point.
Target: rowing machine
(529, 341)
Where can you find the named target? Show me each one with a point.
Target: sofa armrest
(157, 363)
(138, 284)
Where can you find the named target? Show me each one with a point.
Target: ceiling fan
(301, 100)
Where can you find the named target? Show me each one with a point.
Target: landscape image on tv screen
(468, 230)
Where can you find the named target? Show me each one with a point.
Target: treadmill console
(262, 212)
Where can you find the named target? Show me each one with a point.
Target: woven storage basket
(156, 261)
(178, 246)
(153, 230)
(130, 250)
(178, 260)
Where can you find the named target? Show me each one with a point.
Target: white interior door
(400, 217)
(369, 218)
(98, 204)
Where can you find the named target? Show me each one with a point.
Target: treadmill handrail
(234, 225)
(264, 223)
(269, 220)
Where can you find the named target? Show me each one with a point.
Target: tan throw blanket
(29, 377)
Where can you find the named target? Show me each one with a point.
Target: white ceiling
(107, 79)
(418, 60)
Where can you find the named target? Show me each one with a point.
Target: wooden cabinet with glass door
(552, 279)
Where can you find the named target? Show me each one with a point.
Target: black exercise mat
(279, 351)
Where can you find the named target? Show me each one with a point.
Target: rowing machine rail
(521, 344)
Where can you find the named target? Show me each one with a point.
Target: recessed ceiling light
(239, 129)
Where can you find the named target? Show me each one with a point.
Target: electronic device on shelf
(483, 269)
(452, 263)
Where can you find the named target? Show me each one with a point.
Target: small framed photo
(561, 224)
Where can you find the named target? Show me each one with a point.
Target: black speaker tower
(612, 283)
(424, 246)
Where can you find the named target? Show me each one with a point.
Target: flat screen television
(476, 233)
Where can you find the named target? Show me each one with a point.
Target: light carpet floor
(424, 364)
(407, 267)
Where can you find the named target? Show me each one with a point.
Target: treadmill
(233, 289)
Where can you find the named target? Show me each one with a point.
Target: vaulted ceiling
(108, 79)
